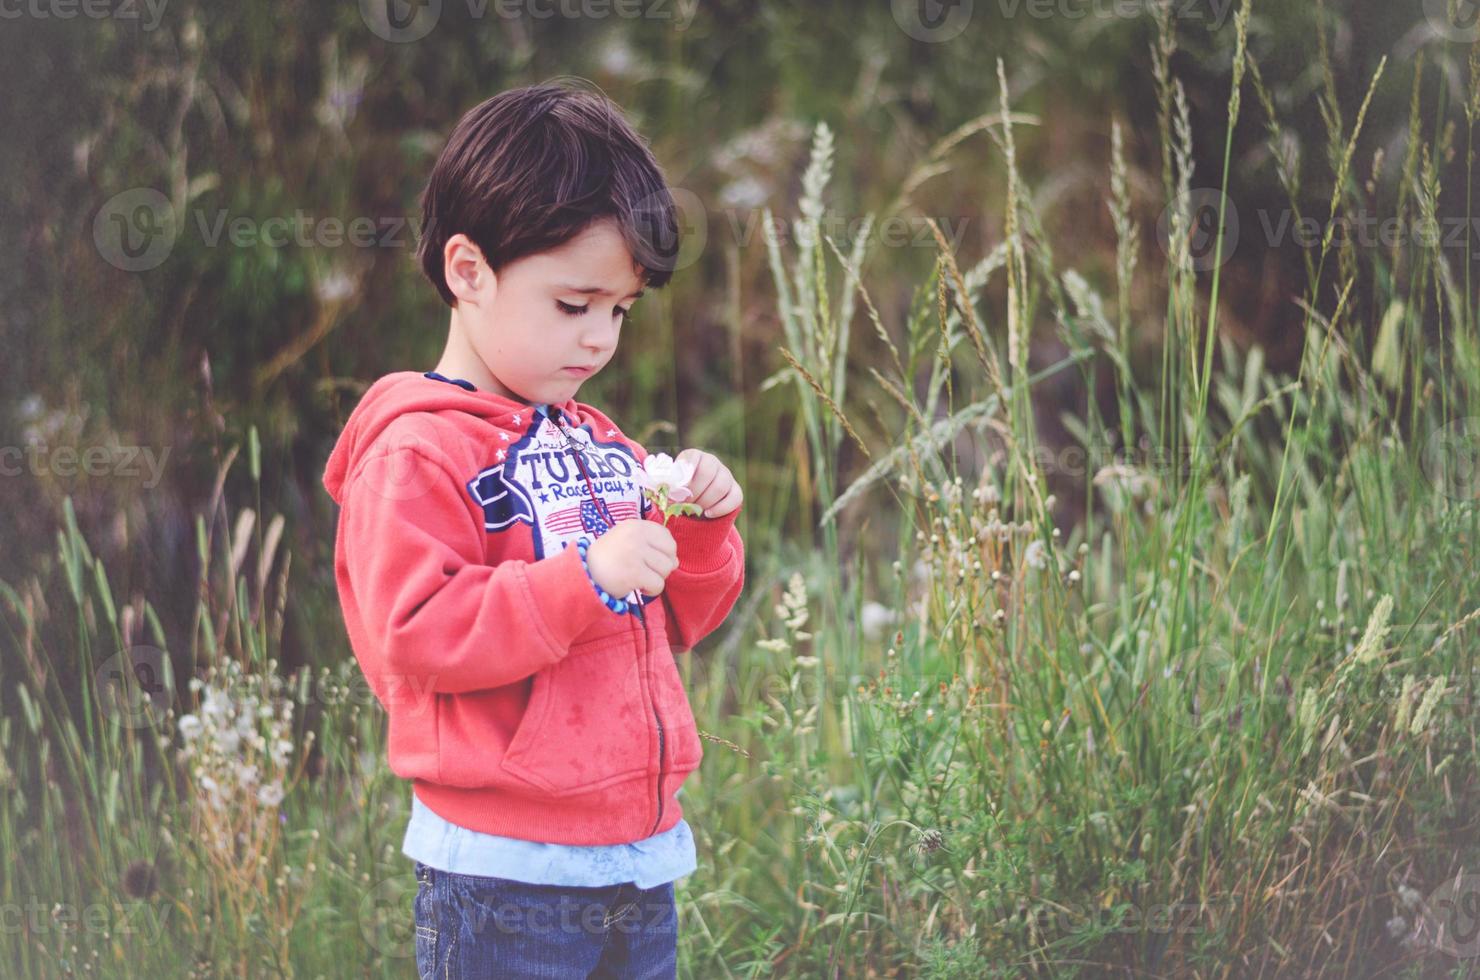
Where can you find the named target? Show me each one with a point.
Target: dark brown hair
(531, 168)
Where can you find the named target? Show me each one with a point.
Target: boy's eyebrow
(597, 291)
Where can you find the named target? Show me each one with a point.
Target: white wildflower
(987, 494)
(660, 469)
(876, 618)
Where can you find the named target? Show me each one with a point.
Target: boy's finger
(704, 474)
(731, 500)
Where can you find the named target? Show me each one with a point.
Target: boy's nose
(599, 341)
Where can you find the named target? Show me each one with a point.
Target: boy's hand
(713, 486)
(633, 555)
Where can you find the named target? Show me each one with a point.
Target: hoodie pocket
(586, 726)
(682, 746)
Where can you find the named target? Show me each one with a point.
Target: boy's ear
(466, 271)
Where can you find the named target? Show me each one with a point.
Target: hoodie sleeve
(433, 609)
(702, 590)
(710, 576)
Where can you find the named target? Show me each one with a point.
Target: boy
(489, 521)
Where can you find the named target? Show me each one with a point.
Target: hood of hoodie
(401, 392)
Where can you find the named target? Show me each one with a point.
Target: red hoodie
(518, 703)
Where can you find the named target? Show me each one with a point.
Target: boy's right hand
(634, 554)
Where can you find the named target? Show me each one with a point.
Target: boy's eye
(570, 310)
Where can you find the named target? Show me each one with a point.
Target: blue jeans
(470, 926)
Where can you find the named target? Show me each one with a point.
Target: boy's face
(546, 314)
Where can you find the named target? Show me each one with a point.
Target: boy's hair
(530, 168)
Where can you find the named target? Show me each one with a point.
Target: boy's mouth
(580, 372)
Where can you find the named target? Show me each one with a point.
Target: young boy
(489, 521)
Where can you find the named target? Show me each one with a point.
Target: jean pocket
(586, 726)
(424, 916)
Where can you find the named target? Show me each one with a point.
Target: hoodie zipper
(570, 448)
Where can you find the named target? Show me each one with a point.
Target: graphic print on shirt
(536, 481)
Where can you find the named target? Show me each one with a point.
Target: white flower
(334, 287)
(1036, 555)
(228, 740)
(875, 618)
(660, 469)
(271, 794)
(246, 775)
(190, 727)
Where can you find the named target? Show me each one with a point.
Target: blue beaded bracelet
(618, 606)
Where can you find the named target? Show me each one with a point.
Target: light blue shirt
(650, 862)
(653, 861)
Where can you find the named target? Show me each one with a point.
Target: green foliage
(1022, 682)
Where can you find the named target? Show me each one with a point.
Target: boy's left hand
(713, 486)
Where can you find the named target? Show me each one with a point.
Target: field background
(1102, 379)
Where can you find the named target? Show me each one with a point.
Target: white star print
(611, 432)
(501, 454)
(516, 419)
(504, 436)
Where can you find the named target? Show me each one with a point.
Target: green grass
(1222, 726)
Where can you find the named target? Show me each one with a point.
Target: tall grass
(1229, 732)
(1223, 725)
(236, 822)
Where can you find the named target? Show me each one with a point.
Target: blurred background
(207, 227)
(324, 119)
